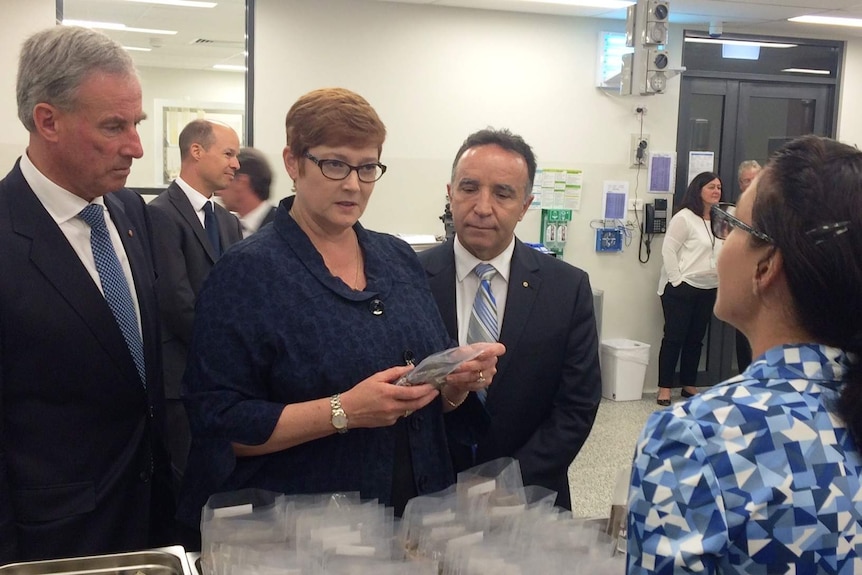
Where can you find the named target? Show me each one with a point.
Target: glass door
(739, 120)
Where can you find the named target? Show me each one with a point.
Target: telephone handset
(655, 217)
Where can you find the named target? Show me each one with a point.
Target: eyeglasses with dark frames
(338, 170)
(723, 221)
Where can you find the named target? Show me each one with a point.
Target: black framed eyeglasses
(338, 170)
(723, 220)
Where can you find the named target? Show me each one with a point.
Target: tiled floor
(608, 450)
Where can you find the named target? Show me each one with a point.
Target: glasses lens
(369, 172)
(721, 224)
(334, 169)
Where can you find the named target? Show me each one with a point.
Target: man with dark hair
(248, 192)
(82, 468)
(490, 286)
(190, 232)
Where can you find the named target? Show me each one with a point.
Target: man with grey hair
(248, 193)
(747, 171)
(489, 285)
(82, 468)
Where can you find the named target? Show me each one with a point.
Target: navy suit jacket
(544, 398)
(80, 460)
(184, 258)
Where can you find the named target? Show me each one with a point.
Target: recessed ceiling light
(828, 20)
(729, 42)
(115, 26)
(137, 49)
(183, 3)
(806, 71)
(230, 67)
(610, 4)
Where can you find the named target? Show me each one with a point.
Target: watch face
(339, 420)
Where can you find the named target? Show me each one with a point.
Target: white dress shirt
(468, 283)
(63, 206)
(196, 199)
(251, 221)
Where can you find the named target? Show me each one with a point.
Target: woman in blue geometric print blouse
(761, 474)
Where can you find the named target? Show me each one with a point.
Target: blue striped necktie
(211, 227)
(114, 284)
(483, 324)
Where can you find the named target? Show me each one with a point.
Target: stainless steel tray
(163, 561)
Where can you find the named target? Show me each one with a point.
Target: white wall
(187, 86)
(849, 111)
(435, 74)
(20, 20)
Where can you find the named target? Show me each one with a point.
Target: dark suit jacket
(544, 398)
(184, 258)
(79, 434)
(270, 217)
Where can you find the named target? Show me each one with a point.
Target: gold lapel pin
(526, 284)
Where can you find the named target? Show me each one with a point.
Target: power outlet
(639, 150)
(636, 205)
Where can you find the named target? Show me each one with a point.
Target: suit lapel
(179, 200)
(441, 277)
(524, 284)
(52, 255)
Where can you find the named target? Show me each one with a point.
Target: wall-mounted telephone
(655, 217)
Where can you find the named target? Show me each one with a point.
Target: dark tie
(211, 226)
(483, 324)
(114, 284)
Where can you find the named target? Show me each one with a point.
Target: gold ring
(481, 379)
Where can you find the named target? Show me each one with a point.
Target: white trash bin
(624, 363)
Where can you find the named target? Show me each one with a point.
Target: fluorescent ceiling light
(610, 4)
(115, 26)
(183, 3)
(230, 67)
(740, 42)
(829, 20)
(137, 49)
(806, 71)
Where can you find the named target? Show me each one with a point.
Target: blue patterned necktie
(483, 324)
(114, 284)
(211, 227)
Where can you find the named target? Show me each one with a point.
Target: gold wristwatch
(339, 418)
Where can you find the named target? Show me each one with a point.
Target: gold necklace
(355, 285)
(358, 265)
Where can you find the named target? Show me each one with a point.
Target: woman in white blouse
(687, 285)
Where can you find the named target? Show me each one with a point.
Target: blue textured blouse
(273, 327)
(755, 475)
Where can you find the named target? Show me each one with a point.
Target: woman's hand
(472, 375)
(376, 402)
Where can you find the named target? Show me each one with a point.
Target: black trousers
(687, 311)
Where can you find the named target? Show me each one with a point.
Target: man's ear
(195, 150)
(46, 118)
(530, 198)
(449, 192)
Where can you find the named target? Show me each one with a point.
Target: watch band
(338, 417)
